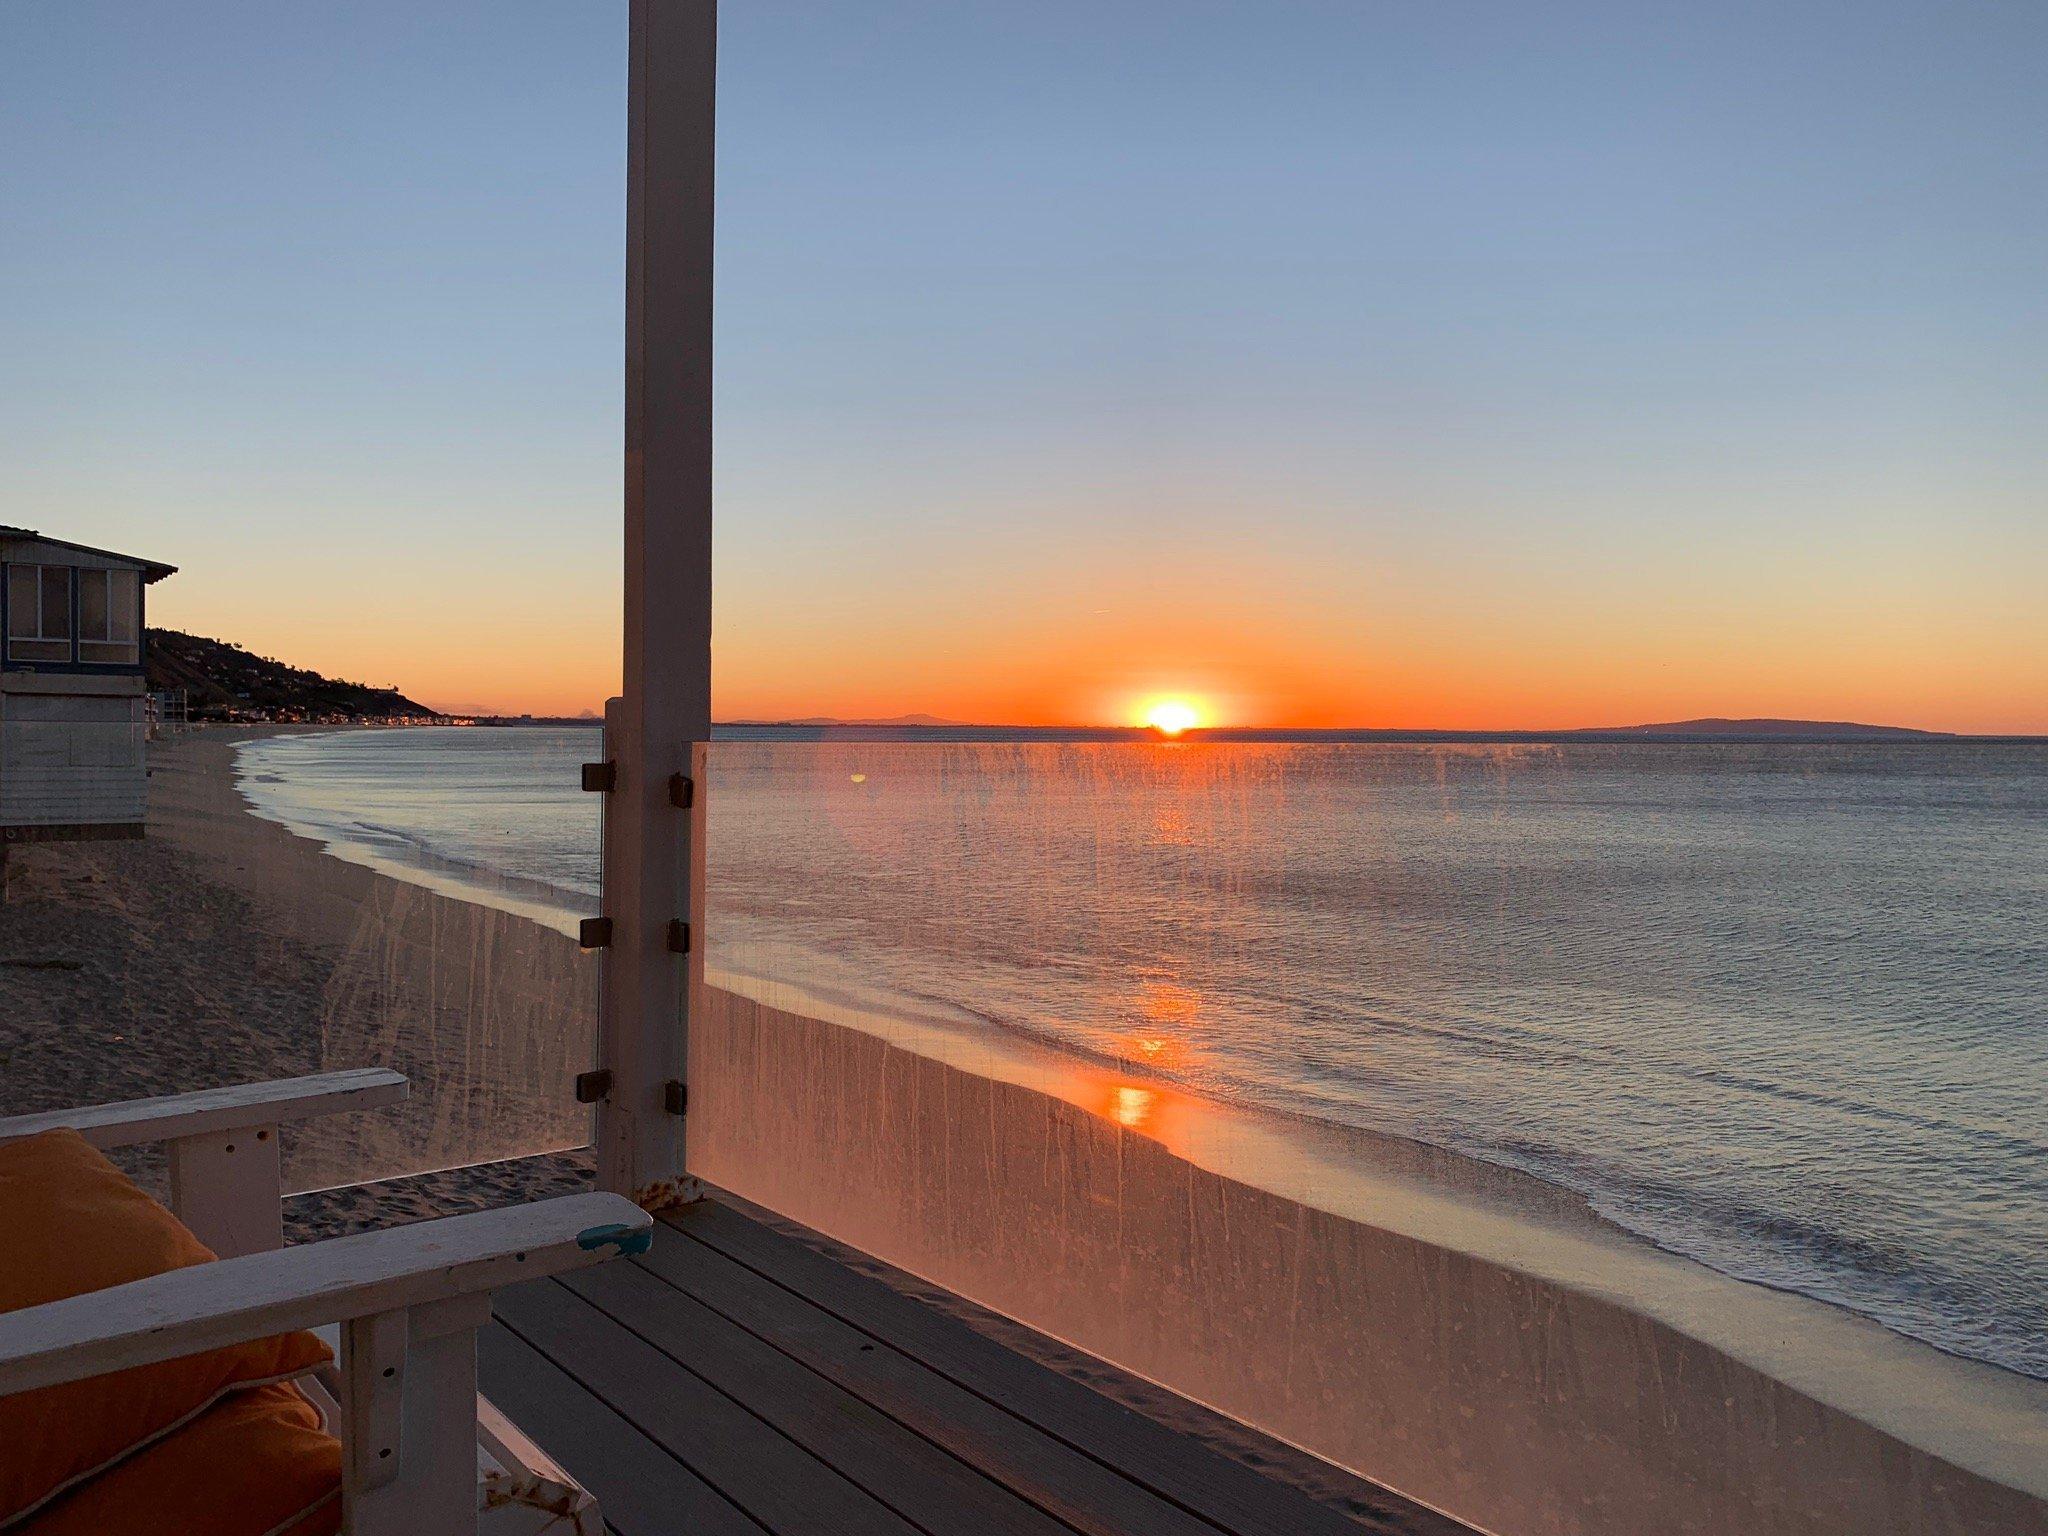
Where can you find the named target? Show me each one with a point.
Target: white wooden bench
(422, 1452)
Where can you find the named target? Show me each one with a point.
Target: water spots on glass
(1133, 1106)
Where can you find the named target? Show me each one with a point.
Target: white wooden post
(654, 845)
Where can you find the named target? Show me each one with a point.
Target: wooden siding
(71, 761)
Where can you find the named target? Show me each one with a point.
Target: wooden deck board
(913, 1476)
(779, 1483)
(646, 1491)
(735, 1381)
(1227, 1493)
(1078, 1489)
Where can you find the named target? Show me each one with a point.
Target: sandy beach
(1475, 1339)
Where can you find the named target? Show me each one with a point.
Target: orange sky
(1263, 639)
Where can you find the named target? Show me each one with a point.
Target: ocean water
(1781, 1008)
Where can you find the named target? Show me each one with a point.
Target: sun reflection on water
(1168, 1002)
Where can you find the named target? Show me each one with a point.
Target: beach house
(71, 688)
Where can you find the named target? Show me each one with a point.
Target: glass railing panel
(1641, 1124)
(437, 877)
(227, 904)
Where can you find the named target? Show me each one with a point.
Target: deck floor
(736, 1380)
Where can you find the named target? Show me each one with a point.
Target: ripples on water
(1777, 1007)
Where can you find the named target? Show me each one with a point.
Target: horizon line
(1702, 728)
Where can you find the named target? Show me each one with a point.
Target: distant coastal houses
(224, 682)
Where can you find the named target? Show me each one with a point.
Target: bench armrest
(340, 1280)
(211, 1110)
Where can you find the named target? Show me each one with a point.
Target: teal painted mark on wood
(628, 1240)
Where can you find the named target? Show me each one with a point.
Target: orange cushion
(255, 1463)
(74, 1223)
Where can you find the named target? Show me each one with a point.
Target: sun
(1169, 717)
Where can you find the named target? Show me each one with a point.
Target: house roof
(152, 570)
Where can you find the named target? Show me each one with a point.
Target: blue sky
(1457, 364)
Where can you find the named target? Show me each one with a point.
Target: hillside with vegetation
(225, 682)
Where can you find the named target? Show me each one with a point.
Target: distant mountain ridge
(1716, 725)
(1712, 727)
(225, 682)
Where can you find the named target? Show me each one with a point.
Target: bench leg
(409, 1435)
(228, 1187)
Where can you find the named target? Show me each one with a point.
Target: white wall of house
(72, 694)
(72, 760)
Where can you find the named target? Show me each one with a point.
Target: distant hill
(587, 720)
(225, 682)
(1839, 730)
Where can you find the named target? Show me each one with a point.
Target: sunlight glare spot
(1134, 1107)
(1170, 717)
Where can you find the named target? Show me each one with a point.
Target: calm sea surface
(1782, 1008)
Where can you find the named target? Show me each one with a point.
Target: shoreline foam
(401, 857)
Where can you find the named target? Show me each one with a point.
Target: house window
(108, 608)
(38, 613)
